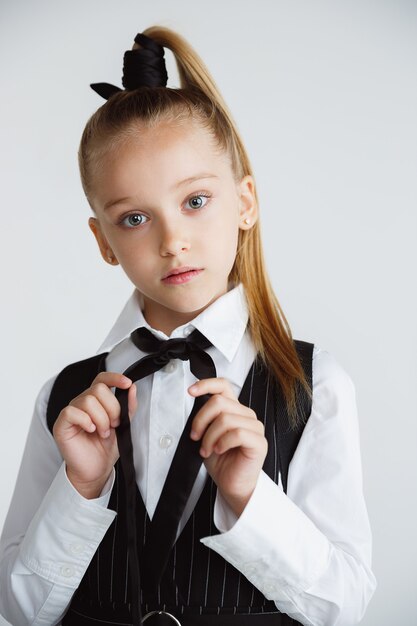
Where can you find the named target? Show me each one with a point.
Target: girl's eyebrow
(186, 181)
(191, 179)
(111, 203)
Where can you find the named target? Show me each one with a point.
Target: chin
(190, 303)
(193, 305)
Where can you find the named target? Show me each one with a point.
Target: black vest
(198, 586)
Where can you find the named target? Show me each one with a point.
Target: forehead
(156, 158)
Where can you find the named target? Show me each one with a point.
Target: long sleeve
(50, 534)
(310, 550)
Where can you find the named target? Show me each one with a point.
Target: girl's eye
(196, 201)
(137, 219)
(134, 219)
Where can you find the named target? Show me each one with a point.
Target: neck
(167, 320)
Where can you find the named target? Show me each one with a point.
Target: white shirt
(308, 550)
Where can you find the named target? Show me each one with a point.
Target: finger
(224, 423)
(70, 421)
(214, 406)
(252, 445)
(91, 405)
(132, 401)
(212, 385)
(108, 400)
(112, 379)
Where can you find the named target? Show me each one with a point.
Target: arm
(50, 534)
(310, 550)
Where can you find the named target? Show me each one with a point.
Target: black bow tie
(185, 465)
(163, 350)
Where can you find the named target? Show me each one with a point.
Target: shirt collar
(223, 322)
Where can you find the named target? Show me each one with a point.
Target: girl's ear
(106, 251)
(248, 208)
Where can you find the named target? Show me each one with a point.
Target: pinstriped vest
(197, 581)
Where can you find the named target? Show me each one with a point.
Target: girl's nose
(173, 239)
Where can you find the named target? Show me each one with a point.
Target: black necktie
(185, 465)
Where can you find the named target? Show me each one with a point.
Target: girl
(251, 509)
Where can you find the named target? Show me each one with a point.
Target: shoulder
(44, 393)
(328, 369)
(334, 395)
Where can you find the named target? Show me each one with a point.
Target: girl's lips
(180, 270)
(184, 277)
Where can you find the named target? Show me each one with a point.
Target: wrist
(237, 503)
(87, 489)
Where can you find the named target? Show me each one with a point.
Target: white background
(325, 96)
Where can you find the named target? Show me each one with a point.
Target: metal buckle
(174, 619)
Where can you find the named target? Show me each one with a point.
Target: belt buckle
(172, 618)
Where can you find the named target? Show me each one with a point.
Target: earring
(110, 258)
(247, 221)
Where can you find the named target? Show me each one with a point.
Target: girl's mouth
(184, 277)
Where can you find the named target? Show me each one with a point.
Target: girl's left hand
(233, 443)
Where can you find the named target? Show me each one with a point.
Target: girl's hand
(233, 443)
(85, 432)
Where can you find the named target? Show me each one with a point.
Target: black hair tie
(142, 67)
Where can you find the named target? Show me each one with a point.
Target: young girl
(235, 500)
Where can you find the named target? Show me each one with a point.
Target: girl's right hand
(85, 432)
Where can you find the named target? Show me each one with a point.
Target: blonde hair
(198, 98)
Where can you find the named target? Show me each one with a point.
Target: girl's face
(168, 200)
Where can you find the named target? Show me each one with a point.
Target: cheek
(130, 248)
(225, 243)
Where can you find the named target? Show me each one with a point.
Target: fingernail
(193, 434)
(106, 433)
(203, 452)
(192, 388)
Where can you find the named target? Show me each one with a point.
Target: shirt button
(170, 367)
(165, 441)
(67, 571)
(76, 548)
(188, 330)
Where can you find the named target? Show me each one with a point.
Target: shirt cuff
(66, 531)
(273, 543)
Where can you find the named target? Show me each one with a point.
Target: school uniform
(288, 552)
